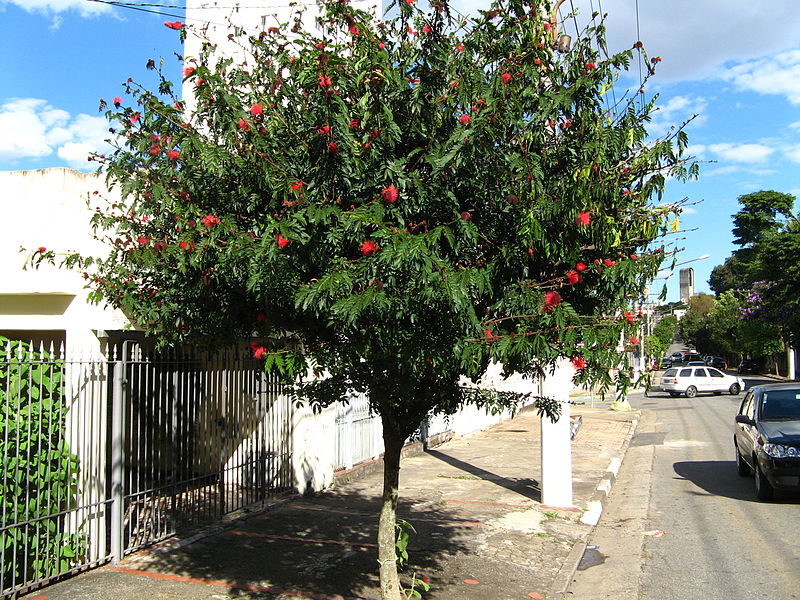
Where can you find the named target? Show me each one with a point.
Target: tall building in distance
(687, 284)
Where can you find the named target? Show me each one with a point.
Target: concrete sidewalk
(481, 532)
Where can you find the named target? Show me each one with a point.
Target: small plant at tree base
(396, 204)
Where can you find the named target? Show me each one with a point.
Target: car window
(780, 404)
(686, 372)
(670, 372)
(700, 373)
(715, 373)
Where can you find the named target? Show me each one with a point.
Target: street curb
(591, 517)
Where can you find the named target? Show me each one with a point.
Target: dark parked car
(747, 366)
(677, 357)
(664, 363)
(767, 437)
(692, 357)
(717, 362)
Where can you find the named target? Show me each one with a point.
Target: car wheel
(741, 466)
(734, 389)
(691, 391)
(764, 491)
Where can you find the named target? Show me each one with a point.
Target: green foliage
(39, 474)
(694, 324)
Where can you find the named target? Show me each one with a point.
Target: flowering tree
(393, 204)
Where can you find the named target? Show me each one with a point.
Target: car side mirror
(744, 420)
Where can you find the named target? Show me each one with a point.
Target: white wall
(48, 208)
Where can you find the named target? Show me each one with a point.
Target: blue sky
(734, 63)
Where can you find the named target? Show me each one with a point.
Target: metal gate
(140, 448)
(358, 432)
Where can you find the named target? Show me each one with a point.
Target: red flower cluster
(465, 119)
(297, 185)
(634, 340)
(187, 71)
(573, 277)
(551, 300)
(210, 220)
(368, 247)
(186, 246)
(578, 362)
(243, 125)
(506, 77)
(258, 351)
(324, 130)
(176, 25)
(325, 81)
(256, 110)
(352, 29)
(281, 241)
(609, 263)
(333, 148)
(629, 317)
(117, 101)
(580, 267)
(390, 194)
(583, 219)
(173, 155)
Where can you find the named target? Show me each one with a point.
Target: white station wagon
(691, 381)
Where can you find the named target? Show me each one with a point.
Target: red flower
(409, 1)
(209, 220)
(590, 66)
(609, 263)
(390, 194)
(578, 362)
(281, 241)
(426, 29)
(488, 334)
(176, 25)
(42, 249)
(580, 267)
(188, 71)
(382, 46)
(324, 130)
(186, 245)
(634, 340)
(573, 277)
(243, 125)
(134, 118)
(333, 148)
(256, 110)
(506, 77)
(584, 218)
(352, 29)
(465, 119)
(174, 154)
(633, 257)
(551, 300)
(368, 247)
(354, 123)
(258, 351)
(628, 316)
(325, 81)
(460, 48)
(143, 240)
(117, 101)
(297, 185)
(625, 192)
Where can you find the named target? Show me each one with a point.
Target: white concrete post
(556, 441)
(790, 360)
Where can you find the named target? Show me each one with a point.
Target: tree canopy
(393, 204)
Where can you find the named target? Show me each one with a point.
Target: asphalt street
(681, 523)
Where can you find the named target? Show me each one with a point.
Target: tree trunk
(390, 582)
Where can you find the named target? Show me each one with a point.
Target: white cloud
(744, 153)
(31, 128)
(795, 125)
(779, 74)
(792, 153)
(676, 111)
(83, 7)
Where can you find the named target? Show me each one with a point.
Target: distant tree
(724, 325)
(760, 217)
(729, 276)
(664, 331)
(694, 324)
(395, 205)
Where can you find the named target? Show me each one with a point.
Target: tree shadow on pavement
(526, 486)
(719, 477)
(318, 547)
